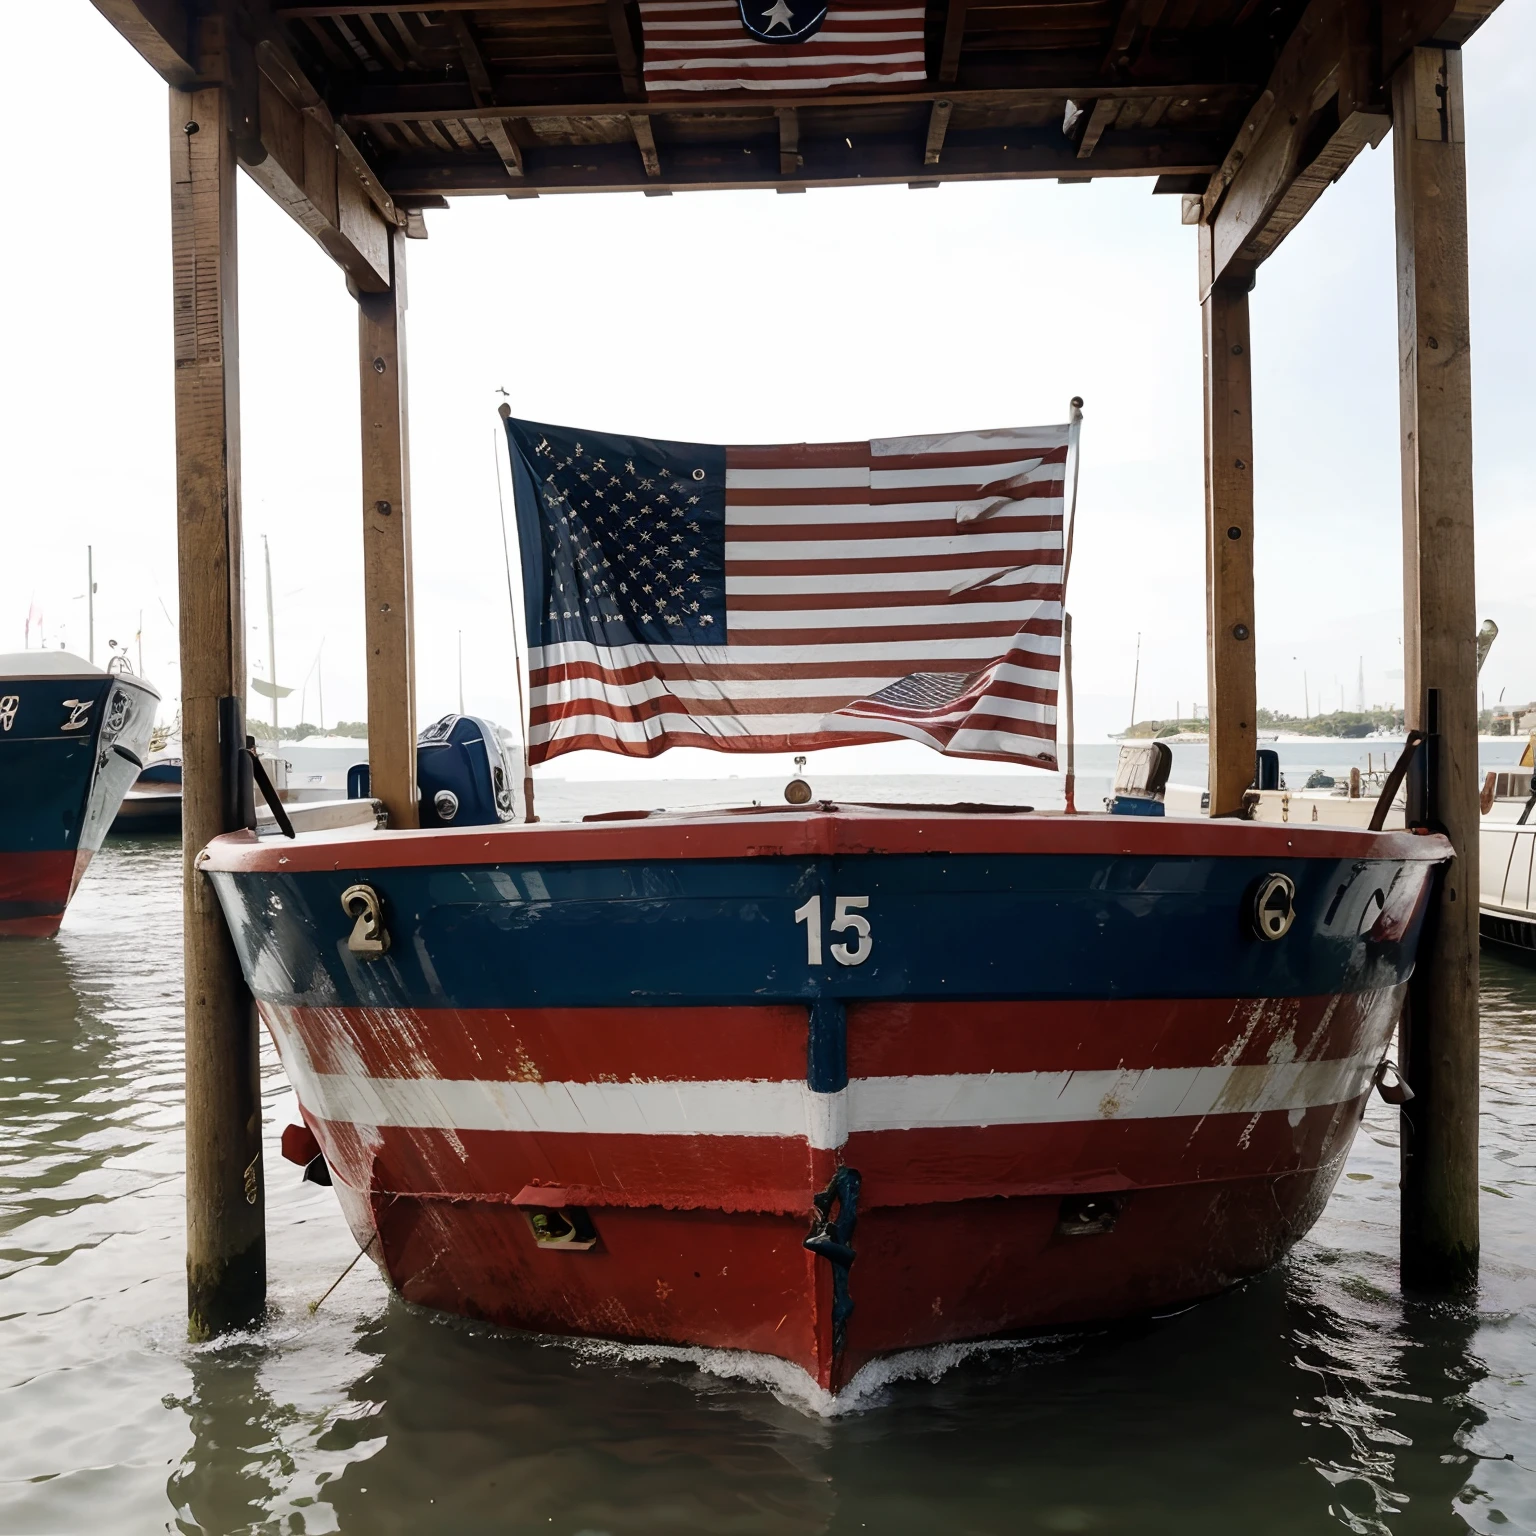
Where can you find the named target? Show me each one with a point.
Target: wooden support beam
(980, 155)
(161, 31)
(1217, 94)
(954, 40)
(938, 126)
(1231, 677)
(315, 182)
(646, 139)
(387, 588)
(1105, 110)
(366, 178)
(508, 150)
(624, 50)
(1120, 39)
(226, 1235)
(1406, 24)
(474, 61)
(790, 158)
(1440, 1030)
(1132, 36)
(286, 138)
(496, 131)
(1319, 110)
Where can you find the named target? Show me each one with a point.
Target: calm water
(1313, 1399)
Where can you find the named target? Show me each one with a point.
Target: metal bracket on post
(236, 779)
(1423, 807)
(268, 792)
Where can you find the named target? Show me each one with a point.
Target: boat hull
(70, 748)
(1065, 1080)
(146, 811)
(1507, 862)
(153, 801)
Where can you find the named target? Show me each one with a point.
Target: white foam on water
(789, 1384)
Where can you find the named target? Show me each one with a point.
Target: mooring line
(314, 1306)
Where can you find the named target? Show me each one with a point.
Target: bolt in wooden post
(1440, 1032)
(1231, 676)
(390, 629)
(226, 1243)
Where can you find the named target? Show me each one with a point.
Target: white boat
(1507, 918)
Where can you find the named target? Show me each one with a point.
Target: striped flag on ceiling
(789, 598)
(701, 45)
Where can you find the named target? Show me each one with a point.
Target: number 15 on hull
(847, 915)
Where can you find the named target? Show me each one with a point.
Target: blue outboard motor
(462, 774)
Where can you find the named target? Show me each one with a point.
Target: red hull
(925, 1274)
(963, 1229)
(828, 1084)
(44, 881)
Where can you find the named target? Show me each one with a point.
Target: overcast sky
(749, 317)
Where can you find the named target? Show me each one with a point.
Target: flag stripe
(857, 579)
(842, 548)
(645, 700)
(743, 537)
(772, 594)
(898, 657)
(856, 517)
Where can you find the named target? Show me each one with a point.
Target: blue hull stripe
(700, 931)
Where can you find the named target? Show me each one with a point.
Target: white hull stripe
(790, 1109)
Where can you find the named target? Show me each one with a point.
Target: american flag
(701, 45)
(788, 598)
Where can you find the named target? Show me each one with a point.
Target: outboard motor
(1141, 779)
(462, 774)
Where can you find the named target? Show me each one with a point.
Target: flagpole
(517, 649)
(1074, 430)
(1066, 662)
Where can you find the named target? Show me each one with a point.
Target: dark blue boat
(72, 739)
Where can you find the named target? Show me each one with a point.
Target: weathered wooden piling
(388, 604)
(1232, 696)
(226, 1234)
(1440, 1032)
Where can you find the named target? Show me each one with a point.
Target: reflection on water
(1312, 1399)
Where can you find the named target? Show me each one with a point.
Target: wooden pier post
(387, 591)
(1440, 1032)
(1231, 682)
(226, 1243)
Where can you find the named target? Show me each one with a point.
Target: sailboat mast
(461, 671)
(1136, 679)
(90, 603)
(266, 550)
(320, 681)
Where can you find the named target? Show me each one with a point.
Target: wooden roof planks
(1257, 106)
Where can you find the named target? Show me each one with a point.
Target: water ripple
(1314, 1398)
